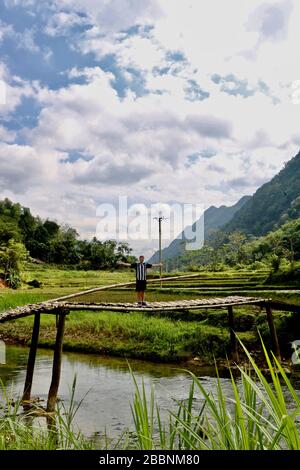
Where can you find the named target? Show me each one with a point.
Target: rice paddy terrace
(199, 285)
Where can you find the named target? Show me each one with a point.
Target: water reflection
(107, 384)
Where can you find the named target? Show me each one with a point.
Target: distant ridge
(214, 219)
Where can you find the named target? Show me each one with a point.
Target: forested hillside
(278, 248)
(263, 228)
(275, 203)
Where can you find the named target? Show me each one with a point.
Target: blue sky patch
(192, 159)
(193, 92)
(137, 30)
(175, 56)
(207, 153)
(25, 115)
(76, 155)
(120, 82)
(233, 86)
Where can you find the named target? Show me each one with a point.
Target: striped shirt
(141, 270)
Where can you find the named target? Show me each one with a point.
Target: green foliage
(18, 431)
(13, 280)
(288, 275)
(12, 257)
(259, 415)
(131, 334)
(275, 263)
(273, 204)
(276, 249)
(51, 243)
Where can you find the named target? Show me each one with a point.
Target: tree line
(49, 242)
(278, 248)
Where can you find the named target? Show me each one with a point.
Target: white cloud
(270, 20)
(26, 40)
(90, 145)
(114, 15)
(15, 90)
(5, 30)
(62, 22)
(6, 135)
(23, 39)
(139, 141)
(22, 167)
(15, 3)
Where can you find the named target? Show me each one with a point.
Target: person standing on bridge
(141, 277)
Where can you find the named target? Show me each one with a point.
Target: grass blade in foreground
(261, 414)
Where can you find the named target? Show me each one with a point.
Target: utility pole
(160, 219)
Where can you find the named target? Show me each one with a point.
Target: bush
(242, 322)
(194, 268)
(13, 280)
(218, 267)
(257, 265)
(275, 263)
(12, 257)
(287, 275)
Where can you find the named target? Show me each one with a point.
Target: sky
(156, 100)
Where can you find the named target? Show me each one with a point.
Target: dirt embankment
(2, 284)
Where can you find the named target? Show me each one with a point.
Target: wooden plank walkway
(32, 309)
(56, 308)
(182, 305)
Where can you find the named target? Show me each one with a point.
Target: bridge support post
(31, 359)
(273, 333)
(233, 340)
(56, 369)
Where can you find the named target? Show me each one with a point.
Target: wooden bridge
(59, 307)
(63, 306)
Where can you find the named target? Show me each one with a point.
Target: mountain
(273, 204)
(214, 219)
(217, 217)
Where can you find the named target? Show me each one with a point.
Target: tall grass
(131, 334)
(18, 430)
(262, 414)
(13, 299)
